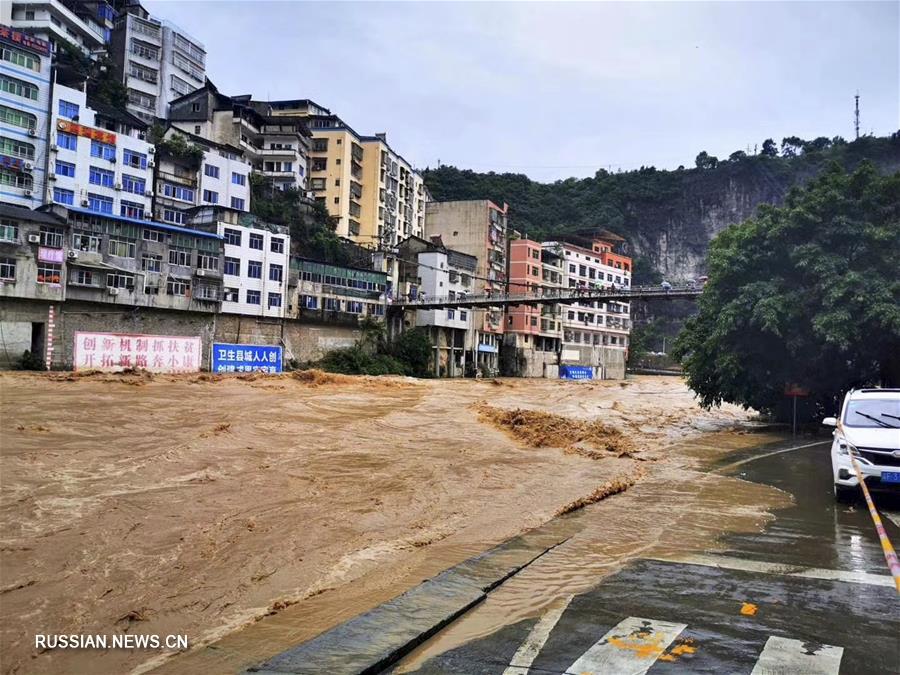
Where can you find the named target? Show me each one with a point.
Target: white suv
(869, 429)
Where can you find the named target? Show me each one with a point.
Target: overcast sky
(555, 90)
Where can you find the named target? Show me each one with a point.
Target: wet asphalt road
(809, 594)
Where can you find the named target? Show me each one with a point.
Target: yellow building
(377, 197)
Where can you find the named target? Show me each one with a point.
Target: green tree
(737, 156)
(805, 293)
(792, 146)
(706, 161)
(769, 148)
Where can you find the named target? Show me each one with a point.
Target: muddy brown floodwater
(200, 504)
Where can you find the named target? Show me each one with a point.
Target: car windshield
(873, 412)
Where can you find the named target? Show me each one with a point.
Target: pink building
(534, 269)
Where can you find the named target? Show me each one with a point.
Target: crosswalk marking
(630, 648)
(531, 647)
(781, 656)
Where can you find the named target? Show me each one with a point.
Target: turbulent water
(281, 506)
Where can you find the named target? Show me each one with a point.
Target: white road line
(531, 647)
(628, 649)
(893, 517)
(781, 656)
(768, 454)
(729, 563)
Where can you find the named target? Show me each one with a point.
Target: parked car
(868, 428)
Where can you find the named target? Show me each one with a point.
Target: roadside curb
(375, 640)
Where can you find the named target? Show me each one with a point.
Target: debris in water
(748, 609)
(608, 489)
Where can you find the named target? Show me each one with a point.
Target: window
(132, 210)
(153, 235)
(123, 248)
(451, 314)
(66, 141)
(48, 273)
(12, 85)
(354, 306)
(100, 203)
(133, 184)
(256, 241)
(230, 295)
(233, 237)
(277, 245)
(178, 192)
(9, 231)
(82, 277)
(237, 203)
(134, 159)
(319, 164)
(176, 287)
(67, 109)
(211, 170)
(274, 300)
(238, 178)
(173, 216)
(142, 72)
(207, 261)
(151, 290)
(254, 269)
(233, 266)
(150, 262)
(463, 315)
(16, 148)
(85, 241)
(17, 118)
(179, 256)
(64, 169)
(317, 184)
(8, 269)
(145, 50)
(320, 145)
(276, 272)
(61, 196)
(21, 58)
(104, 150)
(197, 133)
(102, 177)
(51, 237)
(253, 298)
(211, 197)
(195, 107)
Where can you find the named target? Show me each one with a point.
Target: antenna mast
(856, 115)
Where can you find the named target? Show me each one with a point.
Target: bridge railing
(561, 294)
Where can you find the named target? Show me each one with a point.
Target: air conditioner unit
(32, 131)
(112, 160)
(52, 176)
(73, 255)
(28, 166)
(201, 273)
(118, 186)
(151, 163)
(54, 147)
(113, 291)
(28, 193)
(148, 193)
(85, 202)
(152, 150)
(34, 239)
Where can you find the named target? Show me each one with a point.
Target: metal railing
(551, 296)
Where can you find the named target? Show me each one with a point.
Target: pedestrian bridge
(552, 296)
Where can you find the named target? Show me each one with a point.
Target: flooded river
(253, 513)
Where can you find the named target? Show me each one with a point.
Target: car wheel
(844, 494)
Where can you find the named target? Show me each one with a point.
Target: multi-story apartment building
(429, 269)
(477, 228)
(25, 70)
(158, 61)
(336, 293)
(192, 171)
(594, 324)
(376, 196)
(256, 260)
(98, 158)
(537, 271)
(277, 146)
(84, 24)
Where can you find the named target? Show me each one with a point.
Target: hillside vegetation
(668, 217)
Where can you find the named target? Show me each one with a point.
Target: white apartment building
(220, 177)
(24, 116)
(85, 24)
(158, 60)
(256, 269)
(594, 324)
(98, 158)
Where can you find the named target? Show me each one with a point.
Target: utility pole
(856, 114)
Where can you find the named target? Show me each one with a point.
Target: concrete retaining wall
(302, 341)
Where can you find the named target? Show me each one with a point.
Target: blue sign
(576, 372)
(227, 358)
